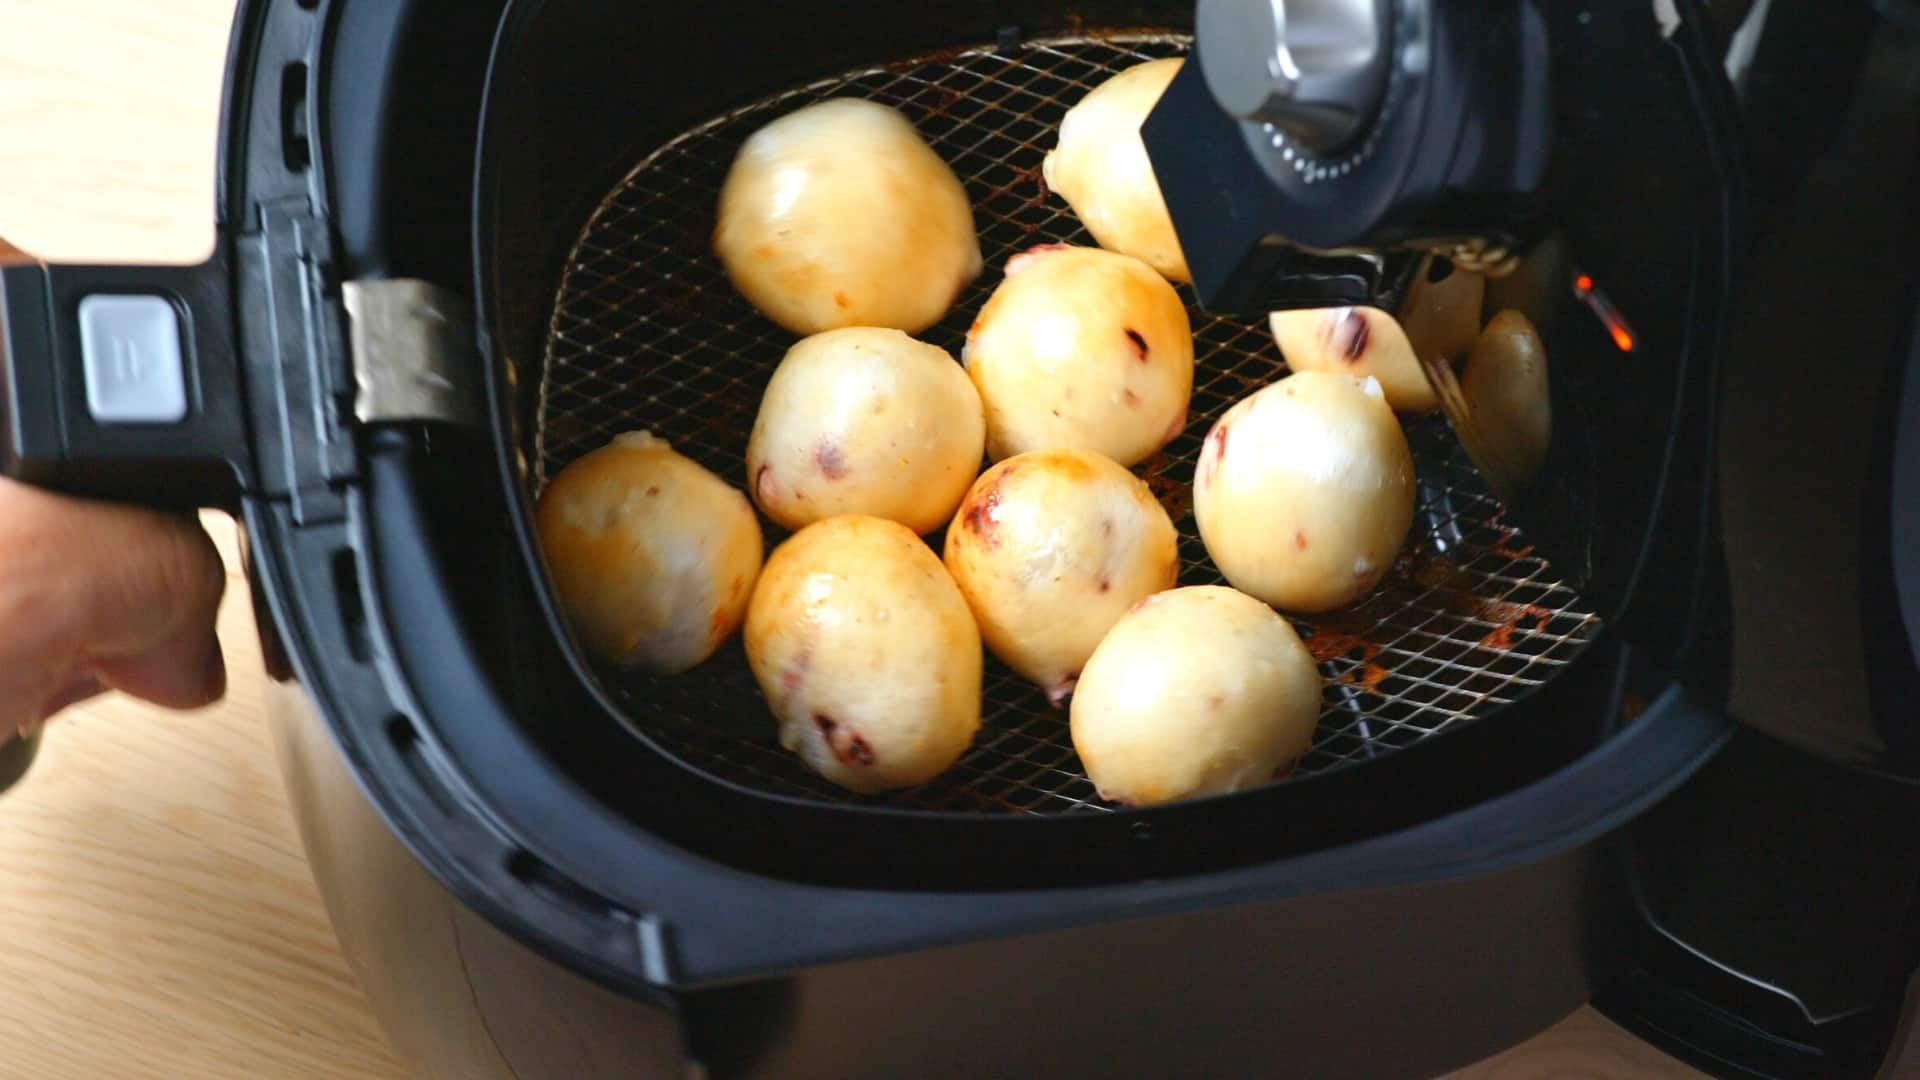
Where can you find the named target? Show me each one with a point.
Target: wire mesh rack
(648, 333)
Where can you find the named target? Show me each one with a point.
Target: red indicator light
(1603, 309)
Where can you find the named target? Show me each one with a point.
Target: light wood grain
(108, 126)
(156, 915)
(157, 918)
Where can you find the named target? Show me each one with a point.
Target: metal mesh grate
(648, 333)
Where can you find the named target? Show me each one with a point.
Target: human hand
(96, 597)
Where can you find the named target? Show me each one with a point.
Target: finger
(184, 673)
(149, 624)
(85, 586)
(72, 694)
(151, 578)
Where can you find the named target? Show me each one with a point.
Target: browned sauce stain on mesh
(1030, 187)
(1504, 545)
(1425, 567)
(1509, 617)
(1328, 643)
(1175, 495)
(1451, 587)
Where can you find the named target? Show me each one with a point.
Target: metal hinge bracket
(414, 354)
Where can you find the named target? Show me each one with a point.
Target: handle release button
(130, 350)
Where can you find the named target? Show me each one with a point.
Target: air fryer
(461, 244)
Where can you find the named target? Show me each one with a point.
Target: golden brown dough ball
(865, 421)
(1304, 491)
(1050, 548)
(1084, 349)
(1101, 169)
(866, 653)
(1197, 691)
(1438, 319)
(653, 558)
(1510, 411)
(839, 214)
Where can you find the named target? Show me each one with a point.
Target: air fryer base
(1293, 986)
(1249, 979)
(1347, 955)
(457, 997)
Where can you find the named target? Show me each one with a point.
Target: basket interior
(648, 333)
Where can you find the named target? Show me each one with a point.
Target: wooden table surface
(157, 918)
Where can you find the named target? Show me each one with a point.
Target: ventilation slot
(353, 610)
(294, 146)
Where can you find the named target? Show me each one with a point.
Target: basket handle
(120, 382)
(117, 383)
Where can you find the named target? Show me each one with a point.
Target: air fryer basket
(647, 332)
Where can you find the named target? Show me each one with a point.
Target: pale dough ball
(653, 558)
(1508, 402)
(1437, 318)
(865, 421)
(1198, 691)
(839, 214)
(1050, 548)
(1304, 491)
(1101, 168)
(1355, 341)
(866, 653)
(1085, 349)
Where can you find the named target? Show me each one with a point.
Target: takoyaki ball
(1081, 349)
(1304, 491)
(865, 421)
(839, 214)
(1101, 169)
(867, 654)
(1050, 548)
(653, 558)
(1197, 691)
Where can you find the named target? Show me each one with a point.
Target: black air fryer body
(1740, 893)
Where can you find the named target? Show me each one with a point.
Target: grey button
(130, 349)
